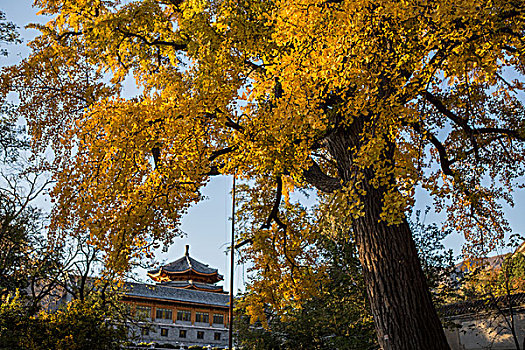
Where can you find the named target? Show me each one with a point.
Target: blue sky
(207, 224)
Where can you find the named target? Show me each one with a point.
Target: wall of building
(177, 332)
(485, 331)
(173, 335)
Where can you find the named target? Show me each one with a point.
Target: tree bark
(404, 315)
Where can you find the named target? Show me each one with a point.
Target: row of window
(182, 315)
(183, 333)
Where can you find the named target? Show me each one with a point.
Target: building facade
(496, 324)
(183, 308)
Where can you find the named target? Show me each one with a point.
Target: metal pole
(232, 249)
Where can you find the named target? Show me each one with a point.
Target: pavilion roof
(186, 266)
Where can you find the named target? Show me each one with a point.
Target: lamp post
(232, 261)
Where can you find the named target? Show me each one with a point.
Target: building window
(143, 312)
(217, 336)
(165, 314)
(183, 315)
(218, 318)
(182, 333)
(164, 332)
(202, 317)
(144, 331)
(200, 335)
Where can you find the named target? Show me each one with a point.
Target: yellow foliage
(258, 88)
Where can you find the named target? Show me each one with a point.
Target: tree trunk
(404, 315)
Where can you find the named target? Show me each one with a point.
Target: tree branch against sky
(361, 100)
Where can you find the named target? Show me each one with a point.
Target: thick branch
(512, 133)
(175, 3)
(317, 178)
(444, 160)
(155, 151)
(220, 152)
(444, 110)
(455, 118)
(214, 171)
(243, 243)
(275, 209)
(68, 33)
(156, 42)
(254, 66)
(471, 132)
(231, 124)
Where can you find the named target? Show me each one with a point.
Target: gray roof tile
(481, 305)
(175, 294)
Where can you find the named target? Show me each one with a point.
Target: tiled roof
(483, 305)
(187, 262)
(175, 294)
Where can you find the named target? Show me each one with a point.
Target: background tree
(81, 324)
(438, 263)
(10, 140)
(498, 276)
(333, 312)
(35, 271)
(24, 257)
(337, 317)
(362, 100)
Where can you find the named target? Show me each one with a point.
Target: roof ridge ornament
(187, 255)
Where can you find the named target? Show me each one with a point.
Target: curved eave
(165, 275)
(153, 274)
(192, 286)
(192, 270)
(160, 270)
(158, 276)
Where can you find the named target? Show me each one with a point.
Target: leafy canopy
(335, 317)
(255, 87)
(80, 325)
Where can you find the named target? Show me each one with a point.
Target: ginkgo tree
(361, 100)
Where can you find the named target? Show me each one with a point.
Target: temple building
(183, 308)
